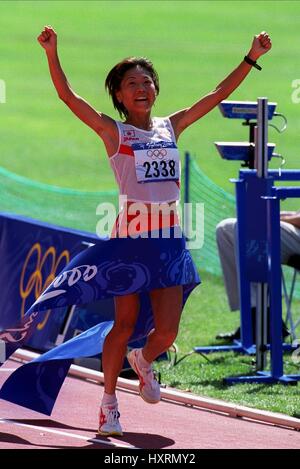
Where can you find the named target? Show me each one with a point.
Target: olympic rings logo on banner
(159, 153)
(36, 282)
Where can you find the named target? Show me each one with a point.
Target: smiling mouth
(141, 99)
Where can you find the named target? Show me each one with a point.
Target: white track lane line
(71, 435)
(7, 369)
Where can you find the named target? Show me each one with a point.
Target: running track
(166, 425)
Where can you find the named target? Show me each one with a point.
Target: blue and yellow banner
(110, 268)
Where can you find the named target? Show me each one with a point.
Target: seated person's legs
(226, 242)
(225, 235)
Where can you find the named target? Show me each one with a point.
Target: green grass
(193, 49)
(193, 45)
(205, 315)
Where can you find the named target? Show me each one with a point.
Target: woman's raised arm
(102, 124)
(184, 118)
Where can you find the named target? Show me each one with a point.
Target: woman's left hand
(261, 45)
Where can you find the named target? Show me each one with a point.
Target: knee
(167, 337)
(124, 329)
(225, 229)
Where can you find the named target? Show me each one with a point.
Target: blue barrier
(32, 253)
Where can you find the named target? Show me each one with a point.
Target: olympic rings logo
(36, 283)
(159, 153)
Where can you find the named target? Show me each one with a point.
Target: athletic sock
(109, 399)
(142, 361)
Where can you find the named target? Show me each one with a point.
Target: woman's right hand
(48, 39)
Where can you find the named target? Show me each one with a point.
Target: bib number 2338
(156, 161)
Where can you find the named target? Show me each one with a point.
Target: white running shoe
(109, 420)
(149, 387)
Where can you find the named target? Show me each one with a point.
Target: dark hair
(116, 75)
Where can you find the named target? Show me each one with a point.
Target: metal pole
(244, 284)
(273, 206)
(261, 164)
(65, 325)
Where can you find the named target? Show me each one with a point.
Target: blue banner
(113, 267)
(32, 254)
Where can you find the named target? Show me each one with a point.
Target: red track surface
(166, 425)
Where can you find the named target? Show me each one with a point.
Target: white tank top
(124, 164)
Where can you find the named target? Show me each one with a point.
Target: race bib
(157, 161)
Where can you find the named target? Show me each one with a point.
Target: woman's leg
(167, 308)
(115, 345)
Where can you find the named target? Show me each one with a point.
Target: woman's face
(137, 91)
